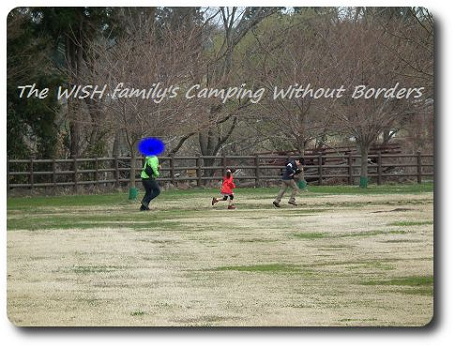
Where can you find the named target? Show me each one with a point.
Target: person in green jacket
(149, 173)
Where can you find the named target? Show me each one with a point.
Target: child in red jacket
(226, 190)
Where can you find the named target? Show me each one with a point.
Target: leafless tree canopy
(160, 53)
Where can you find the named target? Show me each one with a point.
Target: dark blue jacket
(291, 169)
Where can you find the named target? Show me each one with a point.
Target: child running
(226, 190)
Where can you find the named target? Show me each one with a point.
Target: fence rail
(116, 171)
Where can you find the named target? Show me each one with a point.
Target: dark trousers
(152, 190)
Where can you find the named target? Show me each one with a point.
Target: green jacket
(153, 162)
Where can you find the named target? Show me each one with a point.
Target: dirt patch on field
(327, 262)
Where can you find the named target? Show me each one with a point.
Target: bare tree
(222, 118)
(144, 70)
(288, 62)
(411, 35)
(358, 58)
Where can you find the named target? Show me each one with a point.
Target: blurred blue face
(151, 147)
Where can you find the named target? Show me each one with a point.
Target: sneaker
(142, 208)
(231, 207)
(292, 203)
(277, 205)
(214, 200)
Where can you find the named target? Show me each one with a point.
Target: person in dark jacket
(148, 175)
(287, 180)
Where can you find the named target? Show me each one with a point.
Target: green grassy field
(344, 257)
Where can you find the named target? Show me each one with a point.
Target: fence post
(350, 177)
(419, 167)
(54, 175)
(320, 168)
(117, 177)
(379, 168)
(199, 170)
(32, 179)
(172, 166)
(75, 173)
(256, 171)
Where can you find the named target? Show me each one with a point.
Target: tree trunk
(132, 184)
(116, 145)
(133, 170)
(301, 175)
(74, 128)
(207, 147)
(364, 149)
(73, 64)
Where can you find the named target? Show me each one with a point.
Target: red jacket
(228, 185)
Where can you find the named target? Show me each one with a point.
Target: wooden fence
(115, 172)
